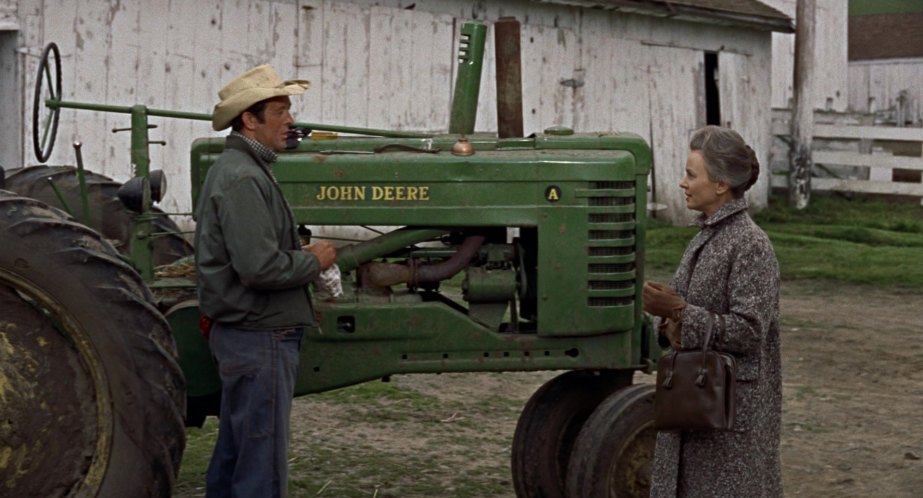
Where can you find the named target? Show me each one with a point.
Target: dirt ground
(853, 379)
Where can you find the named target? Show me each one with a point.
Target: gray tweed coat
(730, 268)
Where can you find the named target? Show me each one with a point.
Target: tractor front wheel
(92, 397)
(549, 425)
(613, 454)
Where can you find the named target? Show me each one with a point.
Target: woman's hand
(661, 300)
(673, 331)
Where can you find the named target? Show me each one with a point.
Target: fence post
(799, 155)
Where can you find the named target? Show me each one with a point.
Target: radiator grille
(609, 234)
(610, 251)
(610, 285)
(623, 185)
(611, 265)
(611, 217)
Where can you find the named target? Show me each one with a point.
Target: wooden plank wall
(387, 64)
(831, 85)
(745, 108)
(876, 86)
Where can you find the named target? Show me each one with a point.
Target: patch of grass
(804, 392)
(866, 7)
(834, 239)
(809, 426)
(397, 473)
(369, 467)
(665, 245)
(377, 391)
(858, 234)
(795, 323)
(199, 445)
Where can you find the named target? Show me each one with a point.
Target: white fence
(857, 159)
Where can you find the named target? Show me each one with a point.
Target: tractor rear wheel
(107, 214)
(615, 449)
(549, 425)
(93, 398)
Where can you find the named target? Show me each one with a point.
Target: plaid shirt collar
(264, 153)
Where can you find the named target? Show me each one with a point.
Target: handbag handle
(700, 378)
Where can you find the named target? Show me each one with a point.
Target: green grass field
(869, 7)
(835, 239)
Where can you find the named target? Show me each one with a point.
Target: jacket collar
(263, 155)
(729, 209)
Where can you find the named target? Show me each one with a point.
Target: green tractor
(512, 254)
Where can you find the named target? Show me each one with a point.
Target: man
(253, 274)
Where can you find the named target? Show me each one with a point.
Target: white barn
(659, 69)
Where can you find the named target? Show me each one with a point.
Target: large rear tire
(93, 399)
(107, 214)
(549, 425)
(615, 449)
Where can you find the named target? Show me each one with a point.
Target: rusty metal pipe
(351, 256)
(388, 274)
(509, 77)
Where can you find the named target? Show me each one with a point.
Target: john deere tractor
(511, 253)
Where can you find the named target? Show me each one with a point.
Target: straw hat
(259, 83)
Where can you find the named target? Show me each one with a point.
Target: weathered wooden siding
(745, 107)
(675, 80)
(877, 86)
(10, 103)
(830, 60)
(382, 64)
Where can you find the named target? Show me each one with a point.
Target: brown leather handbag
(695, 389)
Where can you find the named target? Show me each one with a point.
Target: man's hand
(661, 300)
(324, 251)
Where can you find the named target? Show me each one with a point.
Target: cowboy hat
(259, 83)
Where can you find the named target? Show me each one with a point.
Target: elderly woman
(728, 269)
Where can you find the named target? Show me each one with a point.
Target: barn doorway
(712, 99)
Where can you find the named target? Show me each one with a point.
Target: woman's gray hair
(727, 157)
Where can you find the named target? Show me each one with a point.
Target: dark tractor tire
(93, 398)
(549, 425)
(107, 214)
(615, 449)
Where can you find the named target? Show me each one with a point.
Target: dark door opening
(712, 100)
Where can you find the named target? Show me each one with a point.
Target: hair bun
(754, 169)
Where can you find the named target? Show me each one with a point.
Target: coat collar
(239, 142)
(729, 208)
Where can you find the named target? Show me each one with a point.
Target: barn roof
(745, 13)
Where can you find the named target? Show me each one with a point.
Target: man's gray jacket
(252, 272)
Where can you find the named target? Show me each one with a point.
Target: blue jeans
(257, 369)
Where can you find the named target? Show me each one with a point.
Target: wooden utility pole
(799, 155)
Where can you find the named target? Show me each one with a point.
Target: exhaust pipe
(387, 274)
(509, 77)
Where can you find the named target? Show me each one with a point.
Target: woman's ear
(721, 188)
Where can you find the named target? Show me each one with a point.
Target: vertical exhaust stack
(468, 81)
(509, 77)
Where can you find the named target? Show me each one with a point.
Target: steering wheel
(43, 144)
